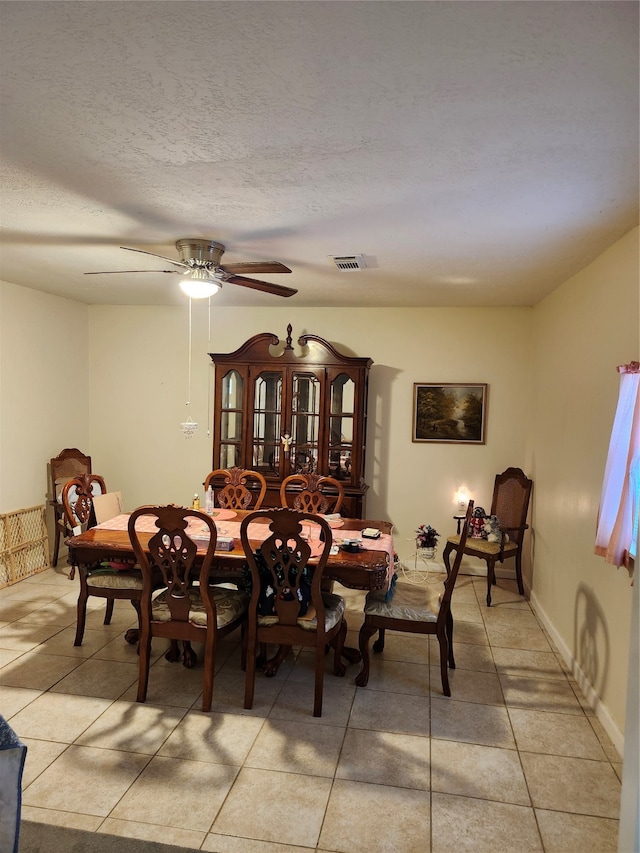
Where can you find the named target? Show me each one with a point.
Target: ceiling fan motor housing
(200, 253)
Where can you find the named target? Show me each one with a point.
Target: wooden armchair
(311, 493)
(69, 463)
(190, 608)
(298, 612)
(416, 609)
(106, 579)
(510, 504)
(237, 488)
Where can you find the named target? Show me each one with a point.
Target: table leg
(366, 632)
(272, 666)
(351, 655)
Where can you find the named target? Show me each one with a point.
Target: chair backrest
(69, 463)
(232, 488)
(77, 499)
(311, 493)
(173, 550)
(510, 503)
(281, 561)
(450, 581)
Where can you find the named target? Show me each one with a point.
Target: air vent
(348, 263)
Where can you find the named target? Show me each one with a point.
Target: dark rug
(44, 838)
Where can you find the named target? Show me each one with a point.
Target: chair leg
(262, 656)
(108, 613)
(272, 666)
(82, 609)
(338, 667)
(519, 573)
(448, 548)
(449, 630)
(243, 647)
(189, 657)
(56, 546)
(173, 653)
(250, 669)
(491, 579)
(132, 635)
(366, 632)
(444, 654)
(144, 656)
(319, 682)
(378, 646)
(209, 665)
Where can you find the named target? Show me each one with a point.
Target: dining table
(369, 567)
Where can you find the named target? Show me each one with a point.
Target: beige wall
(44, 387)
(580, 333)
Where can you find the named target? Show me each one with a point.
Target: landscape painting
(450, 413)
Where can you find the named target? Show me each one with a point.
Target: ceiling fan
(202, 273)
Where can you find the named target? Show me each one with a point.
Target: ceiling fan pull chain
(189, 426)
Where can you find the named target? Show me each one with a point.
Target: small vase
(427, 553)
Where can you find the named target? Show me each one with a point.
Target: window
(617, 532)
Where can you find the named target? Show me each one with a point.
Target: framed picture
(449, 413)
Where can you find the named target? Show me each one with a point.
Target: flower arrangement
(426, 536)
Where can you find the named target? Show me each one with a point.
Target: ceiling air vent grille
(348, 263)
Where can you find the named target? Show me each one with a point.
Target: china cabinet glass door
(231, 414)
(305, 423)
(267, 422)
(341, 426)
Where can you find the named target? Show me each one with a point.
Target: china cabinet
(282, 410)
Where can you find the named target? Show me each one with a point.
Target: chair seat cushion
(484, 546)
(114, 579)
(334, 607)
(413, 602)
(230, 605)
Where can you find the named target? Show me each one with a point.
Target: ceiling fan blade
(255, 266)
(267, 287)
(117, 272)
(153, 255)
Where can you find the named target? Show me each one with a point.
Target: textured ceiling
(476, 153)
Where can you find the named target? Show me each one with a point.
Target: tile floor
(513, 761)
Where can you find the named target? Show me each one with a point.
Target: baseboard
(595, 702)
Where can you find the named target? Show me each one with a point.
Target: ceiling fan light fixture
(199, 284)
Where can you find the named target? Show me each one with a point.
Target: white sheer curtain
(617, 531)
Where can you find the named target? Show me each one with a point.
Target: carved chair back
(77, 499)
(232, 488)
(311, 493)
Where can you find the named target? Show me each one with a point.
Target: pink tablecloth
(259, 532)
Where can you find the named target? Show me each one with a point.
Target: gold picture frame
(449, 413)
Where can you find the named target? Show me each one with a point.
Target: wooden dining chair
(311, 493)
(189, 607)
(237, 488)
(415, 609)
(69, 463)
(510, 504)
(287, 606)
(107, 579)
